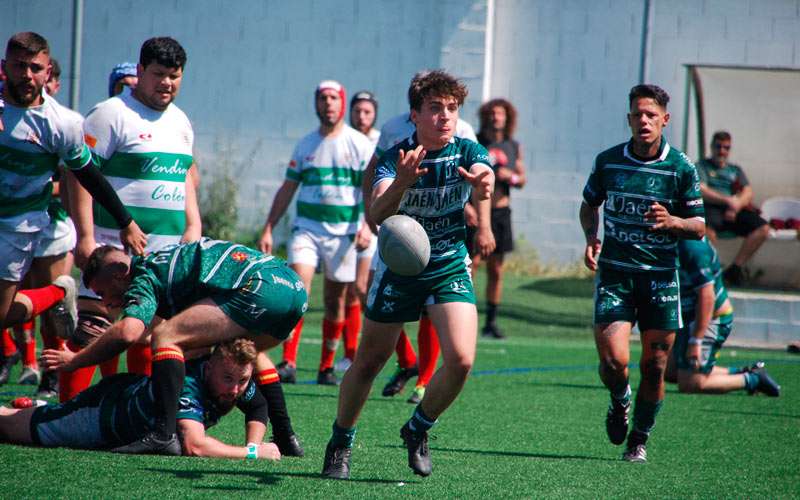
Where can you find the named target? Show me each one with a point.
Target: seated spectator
(728, 200)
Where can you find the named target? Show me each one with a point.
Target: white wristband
(695, 341)
(252, 450)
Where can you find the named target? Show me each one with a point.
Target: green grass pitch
(528, 424)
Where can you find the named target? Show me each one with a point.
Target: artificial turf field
(529, 423)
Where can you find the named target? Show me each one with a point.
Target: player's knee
(612, 367)
(460, 366)
(691, 383)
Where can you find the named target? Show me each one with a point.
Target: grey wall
(566, 64)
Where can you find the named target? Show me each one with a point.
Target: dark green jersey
(166, 282)
(629, 186)
(699, 266)
(437, 199)
(727, 180)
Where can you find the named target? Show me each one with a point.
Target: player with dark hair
(498, 120)
(120, 409)
(35, 133)
(641, 184)
(206, 292)
(428, 176)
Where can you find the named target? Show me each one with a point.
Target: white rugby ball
(404, 245)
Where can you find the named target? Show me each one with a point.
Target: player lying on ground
(118, 410)
(207, 292)
(707, 322)
(428, 176)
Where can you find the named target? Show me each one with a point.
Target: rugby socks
(43, 298)
(644, 415)
(622, 395)
(70, 384)
(270, 386)
(406, 357)
(28, 344)
(9, 347)
(291, 344)
(331, 333)
(419, 422)
(491, 313)
(110, 366)
(167, 380)
(140, 357)
(735, 370)
(428, 343)
(352, 329)
(750, 381)
(341, 437)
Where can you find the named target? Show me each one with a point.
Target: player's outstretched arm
(590, 222)
(116, 339)
(196, 443)
(693, 228)
(280, 203)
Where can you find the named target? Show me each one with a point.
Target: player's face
(436, 120)
(329, 107)
(157, 85)
(52, 86)
(362, 116)
(720, 150)
(227, 380)
(111, 289)
(647, 119)
(26, 74)
(498, 118)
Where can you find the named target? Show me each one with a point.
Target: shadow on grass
(563, 287)
(268, 478)
(539, 317)
(523, 454)
(756, 413)
(587, 387)
(336, 395)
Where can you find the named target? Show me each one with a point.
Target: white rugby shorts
(338, 253)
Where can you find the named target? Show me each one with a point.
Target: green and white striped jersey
(628, 187)
(329, 170)
(145, 155)
(699, 266)
(32, 140)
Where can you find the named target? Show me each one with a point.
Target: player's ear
(413, 116)
(666, 118)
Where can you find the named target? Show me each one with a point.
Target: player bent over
(707, 322)
(428, 176)
(207, 292)
(641, 184)
(119, 410)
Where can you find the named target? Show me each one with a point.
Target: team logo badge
(239, 256)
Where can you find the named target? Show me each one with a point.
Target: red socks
(331, 333)
(266, 377)
(43, 298)
(428, 343)
(139, 359)
(406, 357)
(352, 329)
(291, 344)
(70, 384)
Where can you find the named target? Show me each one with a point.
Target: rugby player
(428, 176)
(35, 132)
(651, 197)
(707, 322)
(119, 410)
(326, 167)
(144, 143)
(207, 292)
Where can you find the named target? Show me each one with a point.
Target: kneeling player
(118, 410)
(428, 176)
(708, 319)
(207, 292)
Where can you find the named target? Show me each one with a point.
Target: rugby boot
(287, 372)
(327, 377)
(617, 421)
(636, 450)
(6, 365)
(399, 379)
(152, 444)
(733, 276)
(765, 384)
(419, 457)
(289, 445)
(416, 396)
(491, 331)
(48, 385)
(337, 462)
(65, 313)
(29, 376)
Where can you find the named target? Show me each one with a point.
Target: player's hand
(482, 181)
(592, 253)
(659, 214)
(265, 241)
(54, 359)
(693, 352)
(83, 249)
(484, 242)
(269, 451)
(133, 238)
(409, 166)
(734, 204)
(363, 237)
(730, 215)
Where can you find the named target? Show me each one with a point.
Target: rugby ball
(404, 245)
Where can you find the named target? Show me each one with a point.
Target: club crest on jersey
(239, 256)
